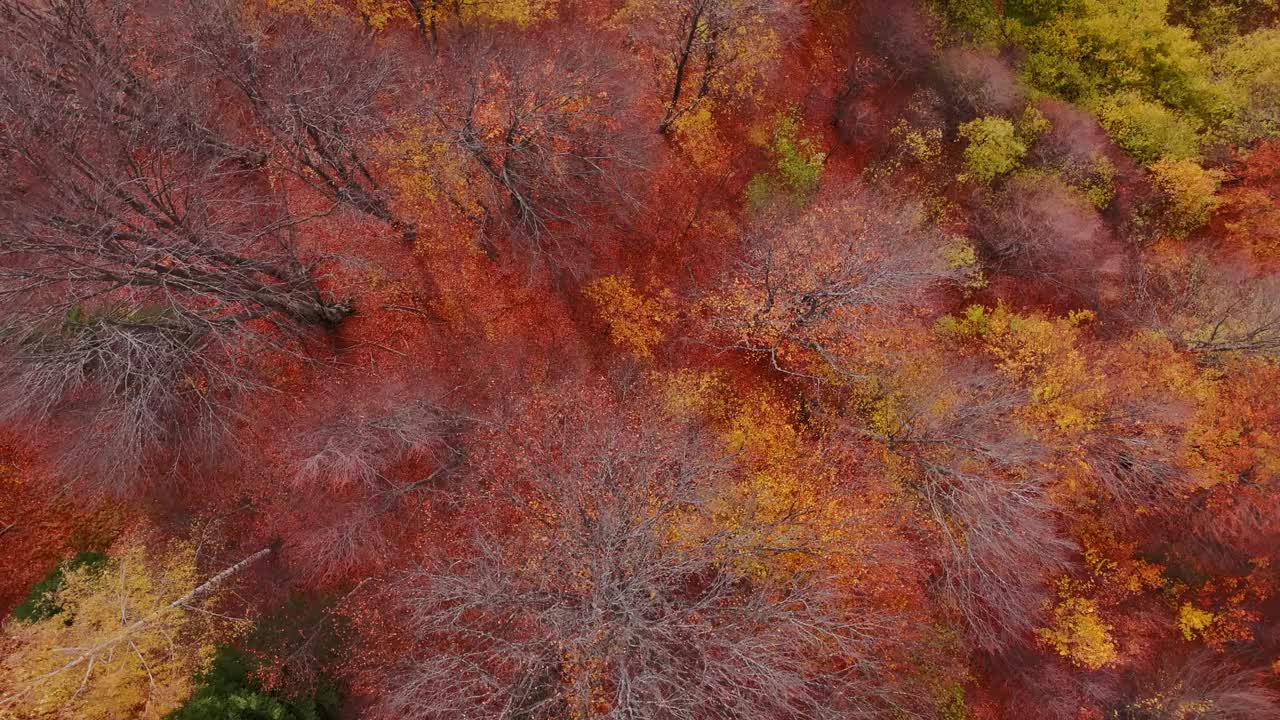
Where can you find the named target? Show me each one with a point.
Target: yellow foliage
(782, 493)
(924, 145)
(1079, 634)
(1169, 705)
(961, 255)
(520, 13)
(432, 185)
(119, 648)
(769, 445)
(1193, 622)
(695, 132)
(1189, 191)
(732, 48)
(1114, 570)
(379, 15)
(310, 8)
(695, 391)
(1040, 352)
(1231, 436)
(636, 322)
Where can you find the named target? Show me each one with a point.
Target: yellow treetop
(1041, 352)
(637, 322)
(1079, 634)
(126, 644)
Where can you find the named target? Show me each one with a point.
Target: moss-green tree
(993, 149)
(229, 690)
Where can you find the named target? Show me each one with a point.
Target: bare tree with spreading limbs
(323, 98)
(611, 590)
(139, 252)
(974, 475)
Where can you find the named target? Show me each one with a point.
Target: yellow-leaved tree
(637, 321)
(124, 641)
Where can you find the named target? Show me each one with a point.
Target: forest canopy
(640, 359)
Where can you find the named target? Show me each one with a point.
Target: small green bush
(229, 691)
(797, 166)
(994, 148)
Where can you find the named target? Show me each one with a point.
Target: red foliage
(358, 251)
(41, 523)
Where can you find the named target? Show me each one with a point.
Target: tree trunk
(419, 20)
(682, 62)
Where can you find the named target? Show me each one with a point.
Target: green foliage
(41, 602)
(1099, 184)
(1035, 11)
(978, 18)
(81, 318)
(961, 256)
(1032, 124)
(1249, 70)
(1147, 130)
(1121, 45)
(229, 691)
(797, 166)
(994, 148)
(951, 703)
(1217, 22)
(1161, 88)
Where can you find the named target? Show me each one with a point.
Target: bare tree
(1133, 462)
(356, 460)
(1043, 229)
(324, 96)
(1233, 313)
(1210, 304)
(802, 288)
(976, 477)
(138, 253)
(978, 83)
(899, 37)
(708, 50)
(1201, 687)
(360, 440)
(131, 399)
(611, 590)
(1074, 142)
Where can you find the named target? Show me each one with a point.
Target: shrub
(797, 166)
(1189, 193)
